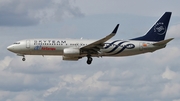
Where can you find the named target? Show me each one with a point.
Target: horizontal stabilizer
(164, 42)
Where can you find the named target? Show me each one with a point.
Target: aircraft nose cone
(10, 48)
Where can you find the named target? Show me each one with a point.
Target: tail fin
(158, 31)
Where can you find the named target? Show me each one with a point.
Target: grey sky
(24, 13)
(147, 77)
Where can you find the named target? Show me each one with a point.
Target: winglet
(115, 29)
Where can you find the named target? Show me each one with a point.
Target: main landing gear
(89, 59)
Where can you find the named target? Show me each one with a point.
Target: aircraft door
(27, 43)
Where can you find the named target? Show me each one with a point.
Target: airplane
(75, 49)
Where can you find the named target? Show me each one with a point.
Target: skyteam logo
(116, 44)
(160, 28)
(37, 48)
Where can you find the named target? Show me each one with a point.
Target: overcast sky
(147, 77)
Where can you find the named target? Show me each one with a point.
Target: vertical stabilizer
(158, 31)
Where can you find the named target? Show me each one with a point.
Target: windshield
(17, 43)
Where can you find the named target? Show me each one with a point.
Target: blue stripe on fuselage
(110, 44)
(116, 47)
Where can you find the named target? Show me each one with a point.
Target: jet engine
(71, 52)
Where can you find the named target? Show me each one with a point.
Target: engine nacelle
(70, 58)
(71, 52)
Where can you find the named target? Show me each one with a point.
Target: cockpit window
(17, 43)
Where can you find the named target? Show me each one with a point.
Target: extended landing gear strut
(23, 59)
(89, 59)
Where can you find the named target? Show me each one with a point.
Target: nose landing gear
(23, 59)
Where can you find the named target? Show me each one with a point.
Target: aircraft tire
(89, 61)
(23, 59)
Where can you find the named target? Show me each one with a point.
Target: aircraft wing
(100, 43)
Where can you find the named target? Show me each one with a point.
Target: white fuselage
(57, 46)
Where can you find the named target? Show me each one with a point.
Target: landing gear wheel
(23, 59)
(89, 60)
